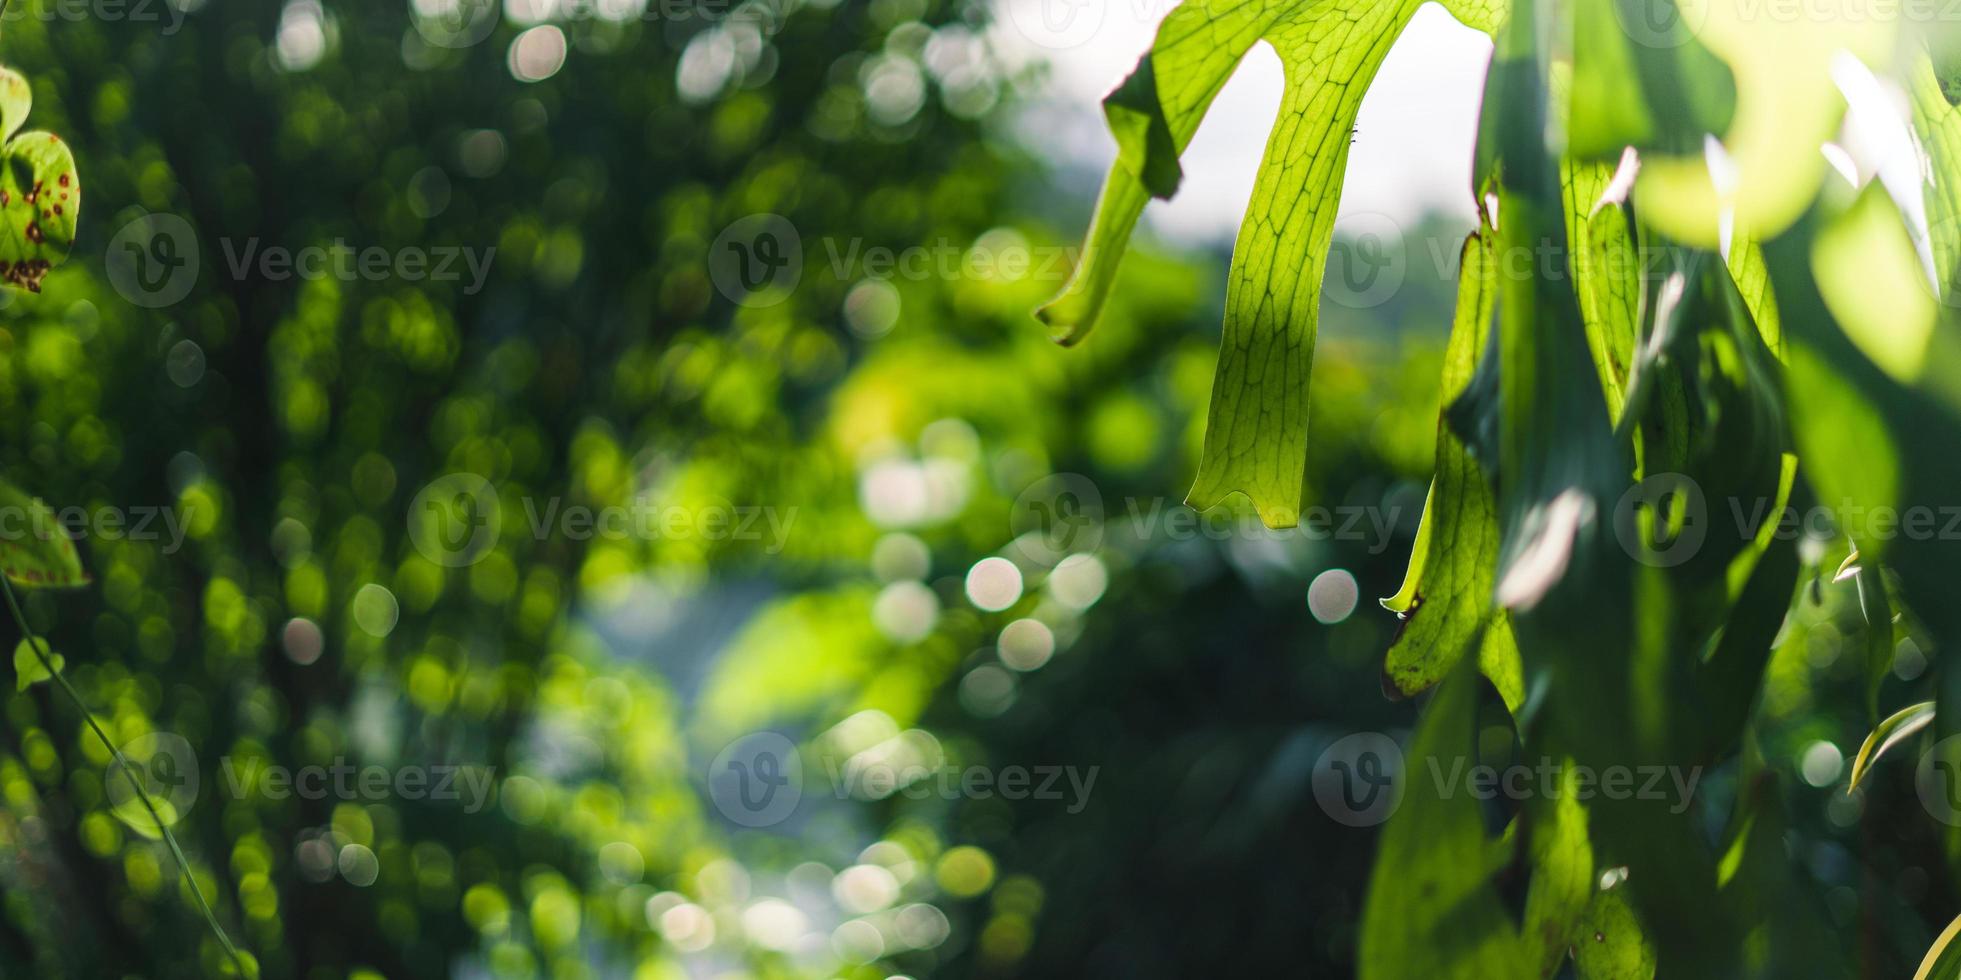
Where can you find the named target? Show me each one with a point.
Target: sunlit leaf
(1606, 274)
(1938, 124)
(29, 669)
(1767, 167)
(1609, 944)
(1256, 437)
(1898, 727)
(40, 192)
(1446, 596)
(1872, 283)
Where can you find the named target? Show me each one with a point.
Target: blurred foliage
(288, 426)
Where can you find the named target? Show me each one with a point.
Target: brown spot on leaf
(26, 274)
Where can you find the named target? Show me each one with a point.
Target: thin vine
(40, 648)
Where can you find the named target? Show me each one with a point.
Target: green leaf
(35, 552)
(1938, 123)
(1562, 871)
(1641, 79)
(1610, 944)
(1605, 273)
(1256, 437)
(1878, 610)
(1752, 278)
(1143, 136)
(28, 668)
(1900, 726)
(1872, 282)
(1446, 596)
(1432, 910)
(1605, 641)
(1787, 106)
(40, 192)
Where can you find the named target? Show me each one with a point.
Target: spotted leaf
(40, 192)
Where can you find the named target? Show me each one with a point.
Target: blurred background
(585, 398)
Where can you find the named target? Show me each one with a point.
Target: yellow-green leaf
(1446, 595)
(28, 668)
(40, 192)
(1943, 960)
(1256, 437)
(1610, 944)
(35, 551)
(1902, 725)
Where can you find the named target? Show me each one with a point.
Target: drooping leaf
(1601, 637)
(40, 192)
(35, 551)
(1432, 910)
(1446, 595)
(1898, 727)
(1256, 435)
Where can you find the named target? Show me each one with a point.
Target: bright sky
(1413, 148)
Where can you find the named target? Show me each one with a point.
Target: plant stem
(40, 648)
